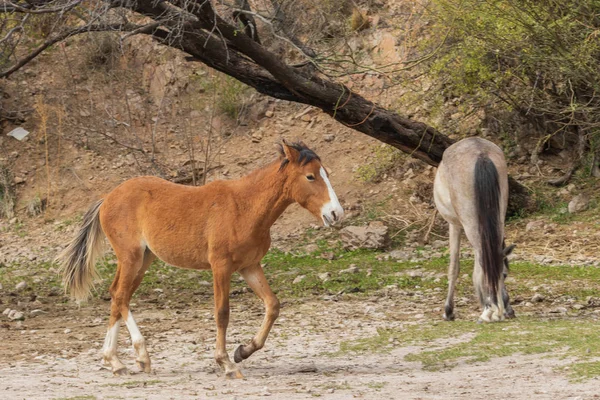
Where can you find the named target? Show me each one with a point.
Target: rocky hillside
(96, 116)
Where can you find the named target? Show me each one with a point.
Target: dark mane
(306, 154)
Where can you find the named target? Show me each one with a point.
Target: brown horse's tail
(487, 200)
(78, 259)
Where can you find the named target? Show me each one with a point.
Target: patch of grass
(572, 338)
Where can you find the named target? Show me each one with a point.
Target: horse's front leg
(221, 283)
(255, 278)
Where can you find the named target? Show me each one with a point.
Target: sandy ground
(57, 355)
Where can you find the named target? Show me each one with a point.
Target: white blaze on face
(332, 211)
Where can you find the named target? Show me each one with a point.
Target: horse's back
(454, 187)
(173, 221)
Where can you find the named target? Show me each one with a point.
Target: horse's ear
(290, 153)
(508, 250)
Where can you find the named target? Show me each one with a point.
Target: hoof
(449, 317)
(510, 315)
(121, 372)
(234, 374)
(237, 356)
(144, 367)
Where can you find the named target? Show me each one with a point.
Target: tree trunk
(194, 27)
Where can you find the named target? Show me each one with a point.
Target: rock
(373, 236)
(537, 298)
(399, 255)
(21, 286)
(311, 248)
(15, 315)
(130, 159)
(415, 274)
(269, 114)
(265, 391)
(352, 269)
(559, 310)
(18, 180)
(579, 203)
(6, 311)
(324, 276)
(34, 313)
(67, 331)
(534, 225)
(256, 137)
(328, 255)
(439, 244)
(329, 138)
(1, 287)
(298, 279)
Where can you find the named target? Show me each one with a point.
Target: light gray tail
(78, 259)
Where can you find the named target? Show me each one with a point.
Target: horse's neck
(264, 196)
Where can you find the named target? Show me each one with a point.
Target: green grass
(469, 342)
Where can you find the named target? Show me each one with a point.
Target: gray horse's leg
(453, 269)
(491, 312)
(508, 310)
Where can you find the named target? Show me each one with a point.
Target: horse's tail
(78, 259)
(487, 203)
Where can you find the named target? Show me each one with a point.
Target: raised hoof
(144, 367)
(121, 372)
(235, 374)
(237, 355)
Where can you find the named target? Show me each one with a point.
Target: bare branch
(8, 6)
(62, 36)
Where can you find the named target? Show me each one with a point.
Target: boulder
(373, 236)
(579, 203)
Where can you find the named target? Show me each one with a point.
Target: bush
(536, 59)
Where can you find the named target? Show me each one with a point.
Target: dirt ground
(57, 355)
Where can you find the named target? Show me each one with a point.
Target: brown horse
(223, 226)
(471, 193)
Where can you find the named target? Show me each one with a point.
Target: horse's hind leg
(109, 350)
(508, 310)
(131, 266)
(453, 270)
(255, 278)
(138, 341)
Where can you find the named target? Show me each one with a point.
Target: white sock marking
(136, 335)
(112, 337)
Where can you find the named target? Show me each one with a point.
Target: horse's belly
(188, 257)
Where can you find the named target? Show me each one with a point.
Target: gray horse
(471, 193)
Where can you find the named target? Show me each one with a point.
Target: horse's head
(308, 182)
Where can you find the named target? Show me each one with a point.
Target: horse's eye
(310, 177)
